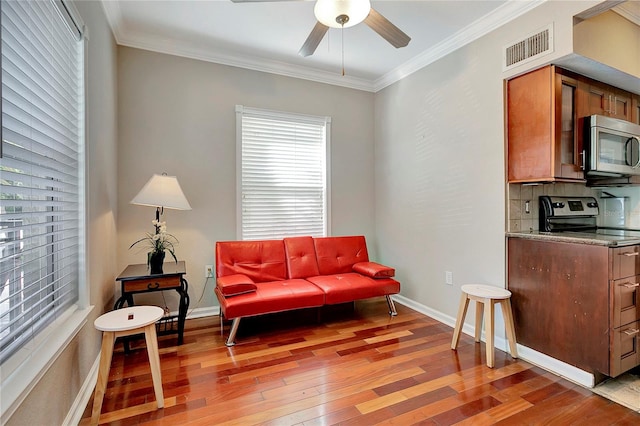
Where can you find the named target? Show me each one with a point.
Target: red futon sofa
(261, 277)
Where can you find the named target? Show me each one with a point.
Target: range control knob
(558, 205)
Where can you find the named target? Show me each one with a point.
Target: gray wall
(440, 183)
(52, 398)
(177, 116)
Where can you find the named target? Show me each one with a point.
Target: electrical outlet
(448, 277)
(208, 271)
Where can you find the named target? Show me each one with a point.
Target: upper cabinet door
(605, 100)
(635, 109)
(542, 132)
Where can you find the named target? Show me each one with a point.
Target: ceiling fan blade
(386, 29)
(314, 39)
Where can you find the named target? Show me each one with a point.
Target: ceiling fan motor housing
(341, 13)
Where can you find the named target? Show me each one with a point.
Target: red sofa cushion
(233, 285)
(341, 288)
(337, 255)
(271, 297)
(374, 270)
(301, 257)
(259, 260)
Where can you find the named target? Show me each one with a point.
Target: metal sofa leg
(232, 334)
(392, 306)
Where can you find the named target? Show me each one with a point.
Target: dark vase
(156, 259)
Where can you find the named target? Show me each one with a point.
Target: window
(41, 170)
(283, 187)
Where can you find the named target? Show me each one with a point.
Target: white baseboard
(210, 311)
(82, 399)
(539, 359)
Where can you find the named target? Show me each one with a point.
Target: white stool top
(120, 320)
(486, 291)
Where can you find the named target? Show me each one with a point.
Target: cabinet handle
(153, 286)
(631, 331)
(615, 105)
(582, 154)
(631, 254)
(630, 285)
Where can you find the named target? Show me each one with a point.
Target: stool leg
(462, 311)
(106, 353)
(479, 312)
(154, 362)
(510, 328)
(488, 325)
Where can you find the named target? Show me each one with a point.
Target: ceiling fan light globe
(327, 11)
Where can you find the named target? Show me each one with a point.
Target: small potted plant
(157, 243)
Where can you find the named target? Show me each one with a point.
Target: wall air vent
(533, 46)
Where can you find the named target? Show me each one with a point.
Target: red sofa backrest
(259, 260)
(337, 255)
(301, 257)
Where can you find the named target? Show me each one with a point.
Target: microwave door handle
(637, 141)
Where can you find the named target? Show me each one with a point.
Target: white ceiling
(266, 36)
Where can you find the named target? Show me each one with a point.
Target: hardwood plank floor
(354, 367)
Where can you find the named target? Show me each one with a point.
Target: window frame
(286, 116)
(21, 372)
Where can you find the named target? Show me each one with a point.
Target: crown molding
(179, 48)
(495, 19)
(500, 16)
(628, 12)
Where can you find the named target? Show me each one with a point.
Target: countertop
(577, 237)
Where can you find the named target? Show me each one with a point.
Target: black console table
(136, 279)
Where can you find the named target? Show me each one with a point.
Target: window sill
(21, 373)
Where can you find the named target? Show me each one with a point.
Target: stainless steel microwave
(612, 147)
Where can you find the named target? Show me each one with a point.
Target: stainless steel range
(579, 216)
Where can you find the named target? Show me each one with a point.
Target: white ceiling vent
(533, 46)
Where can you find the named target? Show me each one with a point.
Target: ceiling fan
(345, 14)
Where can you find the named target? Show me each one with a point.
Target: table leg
(182, 310)
(462, 312)
(154, 362)
(106, 353)
(488, 326)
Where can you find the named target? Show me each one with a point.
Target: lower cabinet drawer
(626, 261)
(624, 351)
(625, 300)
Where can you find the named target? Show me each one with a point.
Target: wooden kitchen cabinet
(543, 139)
(545, 122)
(635, 109)
(602, 99)
(577, 303)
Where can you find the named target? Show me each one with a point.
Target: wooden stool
(486, 295)
(127, 322)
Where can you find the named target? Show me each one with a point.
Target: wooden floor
(356, 367)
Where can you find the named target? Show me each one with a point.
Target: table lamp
(162, 191)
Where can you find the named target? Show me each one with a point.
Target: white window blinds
(41, 169)
(282, 176)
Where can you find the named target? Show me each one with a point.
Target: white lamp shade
(162, 191)
(327, 11)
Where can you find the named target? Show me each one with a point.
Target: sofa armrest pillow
(233, 285)
(374, 270)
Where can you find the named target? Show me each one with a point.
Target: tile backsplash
(522, 207)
